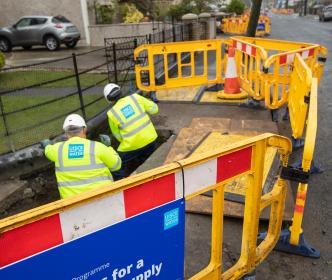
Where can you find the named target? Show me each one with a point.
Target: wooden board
(177, 94)
(189, 137)
(202, 204)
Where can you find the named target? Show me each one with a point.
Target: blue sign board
(261, 27)
(146, 246)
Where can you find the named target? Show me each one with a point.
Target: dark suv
(39, 30)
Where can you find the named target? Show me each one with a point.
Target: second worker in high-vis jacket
(131, 125)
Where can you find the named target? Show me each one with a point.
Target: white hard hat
(111, 91)
(74, 120)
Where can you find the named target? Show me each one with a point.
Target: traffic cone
(232, 88)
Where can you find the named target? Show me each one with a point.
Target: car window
(37, 21)
(23, 22)
(60, 19)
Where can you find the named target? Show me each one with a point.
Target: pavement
(19, 56)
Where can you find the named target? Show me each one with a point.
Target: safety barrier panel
(135, 227)
(184, 63)
(274, 76)
(235, 25)
(307, 158)
(239, 25)
(283, 11)
(298, 99)
(250, 59)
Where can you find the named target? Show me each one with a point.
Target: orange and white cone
(232, 89)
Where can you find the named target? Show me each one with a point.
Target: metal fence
(35, 98)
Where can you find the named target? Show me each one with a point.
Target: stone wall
(12, 10)
(101, 31)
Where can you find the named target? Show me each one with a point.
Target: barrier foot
(252, 103)
(215, 88)
(249, 276)
(283, 245)
(274, 115)
(314, 169)
(153, 96)
(285, 117)
(297, 143)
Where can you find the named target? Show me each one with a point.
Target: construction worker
(131, 126)
(80, 164)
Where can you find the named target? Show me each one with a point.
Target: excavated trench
(39, 187)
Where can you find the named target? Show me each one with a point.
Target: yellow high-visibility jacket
(130, 123)
(82, 165)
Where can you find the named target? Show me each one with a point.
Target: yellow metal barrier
(239, 25)
(183, 64)
(308, 153)
(216, 168)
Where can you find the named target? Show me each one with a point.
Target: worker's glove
(105, 139)
(45, 142)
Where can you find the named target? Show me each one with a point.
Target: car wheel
(52, 43)
(5, 45)
(27, 47)
(71, 44)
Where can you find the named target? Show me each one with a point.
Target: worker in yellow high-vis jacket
(131, 125)
(80, 164)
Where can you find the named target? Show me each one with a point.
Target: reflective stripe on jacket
(130, 123)
(82, 165)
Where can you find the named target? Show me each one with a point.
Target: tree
(236, 6)
(159, 11)
(254, 16)
(178, 10)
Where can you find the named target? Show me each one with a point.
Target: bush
(104, 13)
(132, 14)
(2, 60)
(236, 6)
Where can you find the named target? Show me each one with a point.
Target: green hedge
(2, 60)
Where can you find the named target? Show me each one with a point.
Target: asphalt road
(317, 222)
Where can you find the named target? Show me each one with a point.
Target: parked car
(51, 31)
(326, 13)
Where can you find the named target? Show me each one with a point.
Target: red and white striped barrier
(243, 47)
(73, 223)
(289, 58)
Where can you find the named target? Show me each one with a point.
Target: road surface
(318, 212)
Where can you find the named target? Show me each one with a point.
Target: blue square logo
(75, 151)
(171, 218)
(127, 111)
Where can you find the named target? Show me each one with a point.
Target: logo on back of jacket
(75, 151)
(127, 111)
